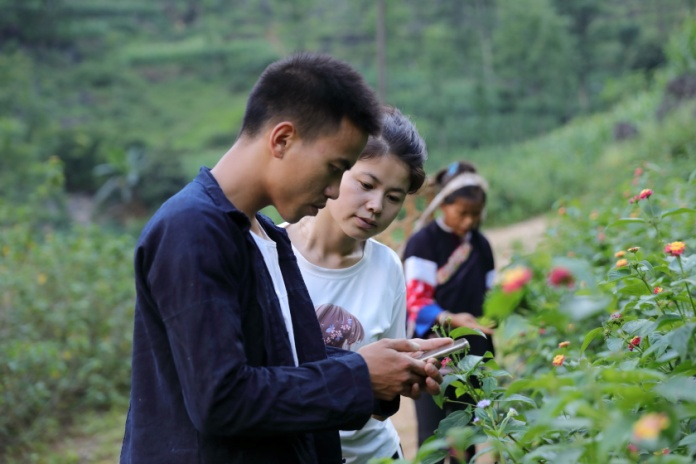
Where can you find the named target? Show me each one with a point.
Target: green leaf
(618, 273)
(615, 344)
(591, 335)
(679, 339)
(624, 221)
(640, 327)
(455, 419)
(517, 397)
(580, 307)
(678, 388)
(499, 305)
(672, 212)
(688, 440)
(462, 331)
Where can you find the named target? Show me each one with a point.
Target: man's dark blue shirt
(213, 377)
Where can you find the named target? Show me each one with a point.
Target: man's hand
(395, 371)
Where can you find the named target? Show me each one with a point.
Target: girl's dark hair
(400, 138)
(315, 91)
(470, 192)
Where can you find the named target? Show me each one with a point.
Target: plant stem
(686, 284)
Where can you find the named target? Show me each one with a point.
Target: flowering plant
(595, 361)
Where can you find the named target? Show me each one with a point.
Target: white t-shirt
(356, 306)
(269, 250)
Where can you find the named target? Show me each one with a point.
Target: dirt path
(504, 240)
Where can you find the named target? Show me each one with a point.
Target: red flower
(657, 290)
(561, 276)
(675, 248)
(635, 341)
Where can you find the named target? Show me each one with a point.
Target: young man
(229, 364)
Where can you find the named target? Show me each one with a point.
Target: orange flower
(619, 254)
(515, 278)
(644, 194)
(558, 360)
(565, 344)
(561, 210)
(650, 425)
(657, 290)
(675, 248)
(622, 262)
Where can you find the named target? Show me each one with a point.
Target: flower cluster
(560, 276)
(675, 248)
(650, 425)
(635, 341)
(515, 278)
(643, 195)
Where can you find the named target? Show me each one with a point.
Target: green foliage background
(123, 101)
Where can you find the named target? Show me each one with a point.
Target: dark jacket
(213, 377)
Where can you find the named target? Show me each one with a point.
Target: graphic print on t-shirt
(339, 327)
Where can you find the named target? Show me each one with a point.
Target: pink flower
(635, 341)
(638, 172)
(445, 362)
(542, 331)
(561, 276)
(616, 316)
(675, 248)
(515, 278)
(645, 194)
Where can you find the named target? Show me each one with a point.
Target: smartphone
(443, 351)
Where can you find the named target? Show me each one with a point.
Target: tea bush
(65, 329)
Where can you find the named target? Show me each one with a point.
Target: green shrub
(65, 332)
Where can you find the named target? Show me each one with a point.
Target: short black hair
(400, 138)
(314, 91)
(470, 192)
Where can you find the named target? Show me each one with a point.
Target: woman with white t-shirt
(356, 283)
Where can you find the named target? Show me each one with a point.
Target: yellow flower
(650, 425)
(41, 278)
(622, 262)
(5, 250)
(558, 360)
(619, 254)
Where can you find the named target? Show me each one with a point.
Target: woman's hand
(467, 320)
